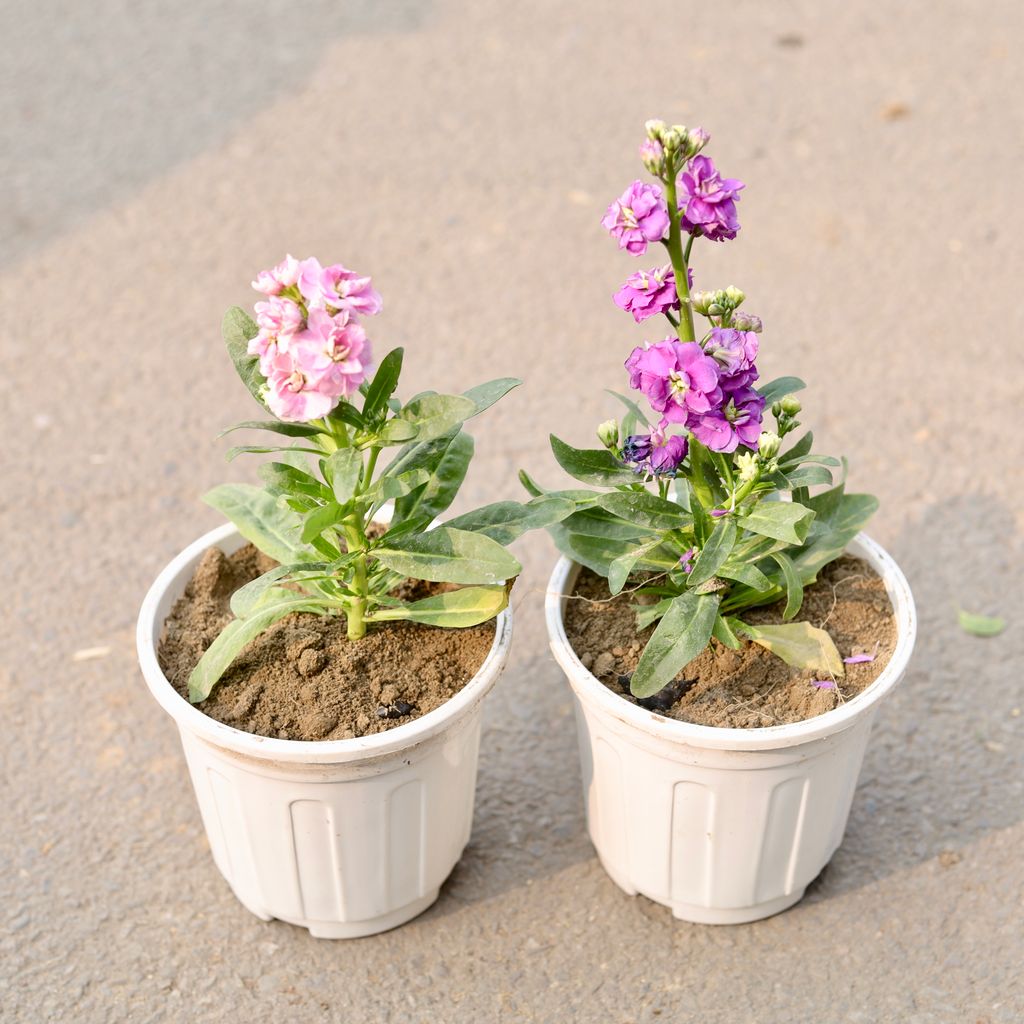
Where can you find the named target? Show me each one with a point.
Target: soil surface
(303, 679)
(749, 688)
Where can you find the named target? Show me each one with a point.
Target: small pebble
(603, 664)
(618, 651)
(382, 711)
(311, 661)
(587, 660)
(402, 707)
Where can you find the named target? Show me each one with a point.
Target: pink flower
(279, 317)
(637, 217)
(285, 274)
(649, 292)
(677, 378)
(707, 201)
(334, 287)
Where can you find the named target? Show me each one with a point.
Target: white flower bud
(768, 445)
(608, 434)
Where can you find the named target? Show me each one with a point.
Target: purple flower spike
(707, 201)
(823, 684)
(637, 217)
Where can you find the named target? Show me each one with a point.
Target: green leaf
(387, 487)
(238, 329)
(262, 521)
(839, 517)
(980, 625)
(791, 583)
(807, 476)
(620, 568)
(645, 509)
(396, 432)
(347, 413)
(596, 466)
(343, 469)
(797, 643)
(383, 385)
(779, 388)
(631, 406)
(422, 454)
(684, 631)
(714, 553)
(277, 426)
(437, 494)
(257, 449)
(798, 451)
(747, 574)
(444, 555)
(504, 521)
(281, 478)
(483, 396)
(275, 604)
(456, 609)
(246, 600)
(781, 520)
(648, 614)
(724, 634)
(435, 415)
(320, 519)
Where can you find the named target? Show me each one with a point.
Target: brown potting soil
(303, 679)
(749, 688)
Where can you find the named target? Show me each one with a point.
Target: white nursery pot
(722, 826)
(343, 837)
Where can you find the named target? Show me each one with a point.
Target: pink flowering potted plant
(325, 653)
(727, 629)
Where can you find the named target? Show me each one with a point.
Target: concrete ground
(153, 157)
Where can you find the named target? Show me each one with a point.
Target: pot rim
(267, 748)
(590, 689)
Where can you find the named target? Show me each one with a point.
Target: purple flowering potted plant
(325, 653)
(726, 627)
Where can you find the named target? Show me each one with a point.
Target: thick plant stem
(675, 254)
(356, 610)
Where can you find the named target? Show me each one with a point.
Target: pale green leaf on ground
(980, 625)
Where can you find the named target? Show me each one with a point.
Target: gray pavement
(153, 158)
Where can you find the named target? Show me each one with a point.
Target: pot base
(361, 929)
(697, 914)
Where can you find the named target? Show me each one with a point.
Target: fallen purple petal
(823, 684)
(858, 659)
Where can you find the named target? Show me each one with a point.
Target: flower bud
(768, 445)
(746, 463)
(701, 301)
(747, 322)
(696, 140)
(673, 138)
(654, 129)
(790, 405)
(608, 434)
(734, 296)
(652, 156)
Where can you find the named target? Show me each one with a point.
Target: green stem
(355, 539)
(675, 254)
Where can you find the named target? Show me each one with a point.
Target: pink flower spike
(823, 684)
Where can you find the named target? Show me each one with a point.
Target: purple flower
(707, 201)
(649, 292)
(686, 560)
(637, 217)
(655, 452)
(736, 421)
(677, 378)
(735, 352)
